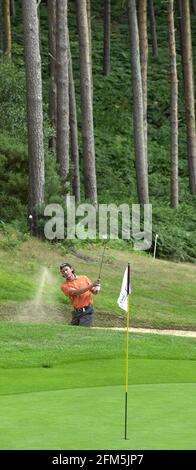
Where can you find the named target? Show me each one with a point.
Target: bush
(12, 98)
(11, 237)
(177, 232)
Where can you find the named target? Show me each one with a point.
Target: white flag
(123, 297)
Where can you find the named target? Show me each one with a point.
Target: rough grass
(163, 293)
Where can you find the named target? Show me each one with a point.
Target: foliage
(177, 232)
(12, 98)
(53, 186)
(13, 180)
(115, 166)
(11, 235)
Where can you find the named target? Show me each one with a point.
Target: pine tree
(139, 142)
(174, 106)
(34, 108)
(187, 62)
(90, 184)
(62, 82)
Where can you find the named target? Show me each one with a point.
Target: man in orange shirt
(79, 289)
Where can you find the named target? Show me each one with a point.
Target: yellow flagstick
(127, 350)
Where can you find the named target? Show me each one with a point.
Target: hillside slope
(163, 293)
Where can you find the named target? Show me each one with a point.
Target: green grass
(163, 293)
(56, 379)
(160, 417)
(50, 346)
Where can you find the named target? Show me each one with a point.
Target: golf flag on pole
(124, 303)
(125, 291)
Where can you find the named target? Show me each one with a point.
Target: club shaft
(101, 264)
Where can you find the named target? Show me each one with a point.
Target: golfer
(79, 289)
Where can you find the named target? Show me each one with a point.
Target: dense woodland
(97, 100)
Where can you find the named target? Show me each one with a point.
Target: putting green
(81, 406)
(161, 416)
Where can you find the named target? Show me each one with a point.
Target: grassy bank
(163, 293)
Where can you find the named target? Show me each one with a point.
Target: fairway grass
(63, 388)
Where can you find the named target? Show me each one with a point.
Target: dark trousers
(83, 318)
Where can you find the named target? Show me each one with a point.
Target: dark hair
(63, 265)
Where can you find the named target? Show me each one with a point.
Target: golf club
(98, 287)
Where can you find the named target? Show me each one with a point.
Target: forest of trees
(98, 101)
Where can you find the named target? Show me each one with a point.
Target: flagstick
(155, 246)
(127, 350)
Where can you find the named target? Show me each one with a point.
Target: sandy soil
(159, 332)
(32, 312)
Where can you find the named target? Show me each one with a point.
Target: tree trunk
(7, 28)
(73, 133)
(52, 67)
(143, 35)
(62, 82)
(34, 108)
(174, 106)
(86, 105)
(188, 74)
(194, 6)
(140, 159)
(13, 8)
(153, 29)
(1, 31)
(88, 6)
(107, 32)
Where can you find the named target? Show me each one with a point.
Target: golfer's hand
(96, 283)
(96, 286)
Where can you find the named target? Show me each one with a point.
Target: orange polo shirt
(78, 301)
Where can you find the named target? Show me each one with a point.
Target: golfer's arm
(81, 290)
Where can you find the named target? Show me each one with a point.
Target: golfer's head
(66, 270)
